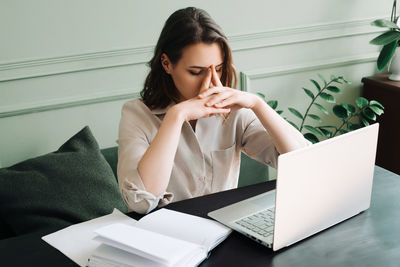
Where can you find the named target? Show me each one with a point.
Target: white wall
(66, 64)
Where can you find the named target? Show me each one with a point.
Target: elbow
(142, 206)
(292, 146)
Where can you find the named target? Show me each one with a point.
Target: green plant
(389, 39)
(352, 116)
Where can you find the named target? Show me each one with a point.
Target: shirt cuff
(138, 199)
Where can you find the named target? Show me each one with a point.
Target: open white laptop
(317, 187)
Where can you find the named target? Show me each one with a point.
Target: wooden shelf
(387, 92)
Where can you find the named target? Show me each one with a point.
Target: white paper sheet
(194, 229)
(76, 241)
(151, 245)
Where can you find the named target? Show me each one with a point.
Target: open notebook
(162, 238)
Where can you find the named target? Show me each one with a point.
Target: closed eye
(195, 73)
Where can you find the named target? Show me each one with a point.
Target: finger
(205, 85)
(215, 78)
(210, 91)
(218, 98)
(227, 102)
(215, 111)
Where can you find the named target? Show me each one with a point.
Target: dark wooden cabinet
(387, 92)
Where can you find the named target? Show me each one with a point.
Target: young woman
(184, 137)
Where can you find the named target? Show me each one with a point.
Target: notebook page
(157, 247)
(106, 255)
(205, 232)
(76, 241)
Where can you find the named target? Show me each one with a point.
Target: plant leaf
(293, 124)
(316, 84)
(346, 81)
(340, 112)
(376, 103)
(273, 103)
(353, 126)
(322, 108)
(386, 38)
(369, 114)
(327, 126)
(334, 89)
(343, 131)
(326, 132)
(384, 23)
(296, 112)
(349, 107)
(386, 54)
(311, 137)
(309, 93)
(364, 121)
(279, 112)
(361, 102)
(327, 97)
(322, 78)
(376, 110)
(262, 95)
(333, 77)
(315, 117)
(313, 130)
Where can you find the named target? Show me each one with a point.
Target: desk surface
(371, 238)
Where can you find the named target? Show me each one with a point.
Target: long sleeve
(134, 139)
(256, 141)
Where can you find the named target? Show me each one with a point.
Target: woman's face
(189, 72)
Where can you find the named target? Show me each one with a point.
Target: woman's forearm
(285, 137)
(156, 164)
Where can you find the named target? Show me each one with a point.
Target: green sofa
(73, 184)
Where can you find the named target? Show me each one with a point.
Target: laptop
(317, 187)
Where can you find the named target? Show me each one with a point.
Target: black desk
(369, 239)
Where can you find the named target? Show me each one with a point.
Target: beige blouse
(207, 160)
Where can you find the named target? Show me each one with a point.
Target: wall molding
(74, 63)
(67, 102)
(245, 80)
(247, 76)
(307, 33)
(32, 68)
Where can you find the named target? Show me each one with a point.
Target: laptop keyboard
(261, 223)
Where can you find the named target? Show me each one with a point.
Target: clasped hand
(214, 98)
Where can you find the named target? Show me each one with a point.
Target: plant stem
(393, 16)
(341, 126)
(312, 102)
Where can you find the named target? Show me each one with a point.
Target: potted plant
(351, 116)
(390, 41)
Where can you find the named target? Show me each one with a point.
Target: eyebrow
(200, 67)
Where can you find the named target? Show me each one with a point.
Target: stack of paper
(162, 238)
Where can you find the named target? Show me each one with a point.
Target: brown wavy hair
(184, 27)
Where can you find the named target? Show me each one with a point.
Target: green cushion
(111, 155)
(73, 184)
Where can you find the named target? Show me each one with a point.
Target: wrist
(259, 104)
(176, 113)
